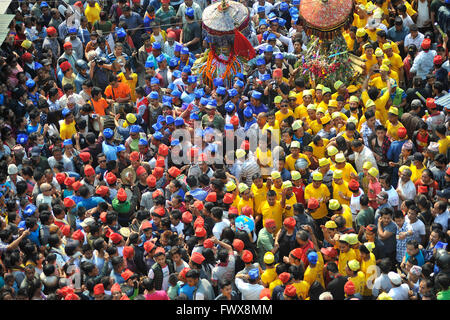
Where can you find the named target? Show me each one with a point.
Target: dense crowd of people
(124, 177)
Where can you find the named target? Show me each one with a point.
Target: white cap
(395, 278)
(12, 169)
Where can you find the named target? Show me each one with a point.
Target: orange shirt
(121, 91)
(99, 106)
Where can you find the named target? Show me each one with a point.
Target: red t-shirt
(299, 193)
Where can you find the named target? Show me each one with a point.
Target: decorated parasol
(226, 27)
(325, 18)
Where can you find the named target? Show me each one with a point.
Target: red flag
(243, 47)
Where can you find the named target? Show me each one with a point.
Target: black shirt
(191, 31)
(336, 287)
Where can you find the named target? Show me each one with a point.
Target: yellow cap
(373, 172)
(384, 296)
(340, 157)
(277, 99)
(325, 119)
(386, 46)
(402, 168)
(323, 162)
(352, 238)
(230, 186)
(326, 90)
(386, 62)
(338, 84)
(287, 184)
(311, 106)
(330, 224)
(336, 114)
(295, 144)
(295, 175)
(354, 99)
(307, 93)
(297, 124)
(319, 86)
(369, 245)
(384, 68)
(367, 165)
(370, 7)
(343, 237)
(393, 110)
(269, 258)
(317, 176)
(321, 109)
(275, 175)
(26, 44)
(334, 204)
(337, 174)
(242, 187)
(352, 88)
(332, 150)
(292, 94)
(332, 103)
(379, 52)
(240, 153)
(131, 118)
(370, 103)
(361, 32)
(352, 119)
(353, 265)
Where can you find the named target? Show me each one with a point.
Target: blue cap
(265, 35)
(268, 48)
(44, 4)
(232, 92)
(184, 106)
(186, 69)
(121, 32)
(265, 76)
(65, 112)
(256, 94)
(170, 120)
(167, 99)
(153, 95)
(179, 121)
(37, 66)
(176, 93)
(293, 11)
(248, 112)
(156, 45)
(173, 62)
(108, 133)
(221, 90)
(199, 93)
(295, 2)
(240, 76)
(294, 18)
(22, 138)
(29, 210)
(284, 6)
(218, 82)
(261, 9)
(154, 80)
(229, 106)
(189, 12)
(229, 127)
(161, 118)
(194, 116)
(192, 79)
(260, 62)
(158, 135)
(184, 50)
(157, 126)
(30, 83)
(271, 36)
(143, 142)
(281, 22)
(176, 74)
(174, 142)
(149, 64)
(263, 21)
(272, 15)
(177, 47)
(313, 257)
(135, 128)
(160, 58)
(253, 274)
(120, 148)
(68, 142)
(204, 101)
(240, 83)
(72, 30)
(212, 102)
(279, 55)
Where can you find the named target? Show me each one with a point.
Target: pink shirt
(374, 190)
(157, 295)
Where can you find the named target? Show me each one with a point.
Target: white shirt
(418, 229)
(365, 155)
(179, 227)
(407, 21)
(423, 14)
(393, 197)
(355, 206)
(219, 226)
(249, 291)
(442, 219)
(267, 5)
(399, 293)
(416, 41)
(408, 189)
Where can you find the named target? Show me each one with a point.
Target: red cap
(313, 203)
(431, 104)
(329, 251)
(26, 56)
(64, 291)
(78, 4)
(353, 185)
(199, 222)
(65, 66)
(157, 193)
(200, 232)
(128, 252)
(160, 250)
(349, 288)
(158, 172)
(211, 197)
(238, 245)
(60, 177)
(65, 230)
(102, 191)
(233, 211)
(296, 253)
(78, 235)
(277, 73)
(247, 210)
(438, 60)
(85, 156)
(69, 181)
(151, 181)
(245, 145)
(140, 170)
(426, 44)
(121, 195)
(289, 222)
(103, 217)
(126, 274)
(199, 205)
(148, 246)
(247, 256)
(234, 120)
(88, 170)
(228, 198)
(174, 172)
(71, 296)
(67, 45)
(197, 258)
(116, 238)
(76, 185)
(116, 288)
(69, 203)
(269, 223)
(265, 293)
(51, 31)
(124, 297)
(99, 289)
(183, 272)
(186, 217)
(134, 156)
(160, 162)
(165, 1)
(170, 34)
(146, 225)
(163, 150)
(290, 291)
(110, 178)
(401, 132)
(160, 211)
(284, 277)
(208, 243)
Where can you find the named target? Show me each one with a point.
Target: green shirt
(265, 243)
(164, 17)
(365, 217)
(121, 207)
(443, 295)
(218, 122)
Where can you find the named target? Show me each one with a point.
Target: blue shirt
(187, 290)
(90, 203)
(419, 257)
(110, 151)
(34, 236)
(199, 194)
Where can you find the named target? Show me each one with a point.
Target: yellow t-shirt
(276, 125)
(66, 131)
(443, 145)
(269, 275)
(273, 284)
(265, 158)
(372, 34)
(259, 196)
(345, 257)
(322, 191)
(279, 116)
(369, 269)
(243, 203)
(272, 212)
(346, 171)
(342, 188)
(236, 201)
(290, 202)
(290, 162)
(378, 82)
(358, 22)
(131, 83)
(370, 61)
(380, 105)
(92, 13)
(315, 126)
(319, 152)
(300, 112)
(350, 42)
(302, 289)
(392, 129)
(416, 173)
(359, 281)
(396, 62)
(278, 191)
